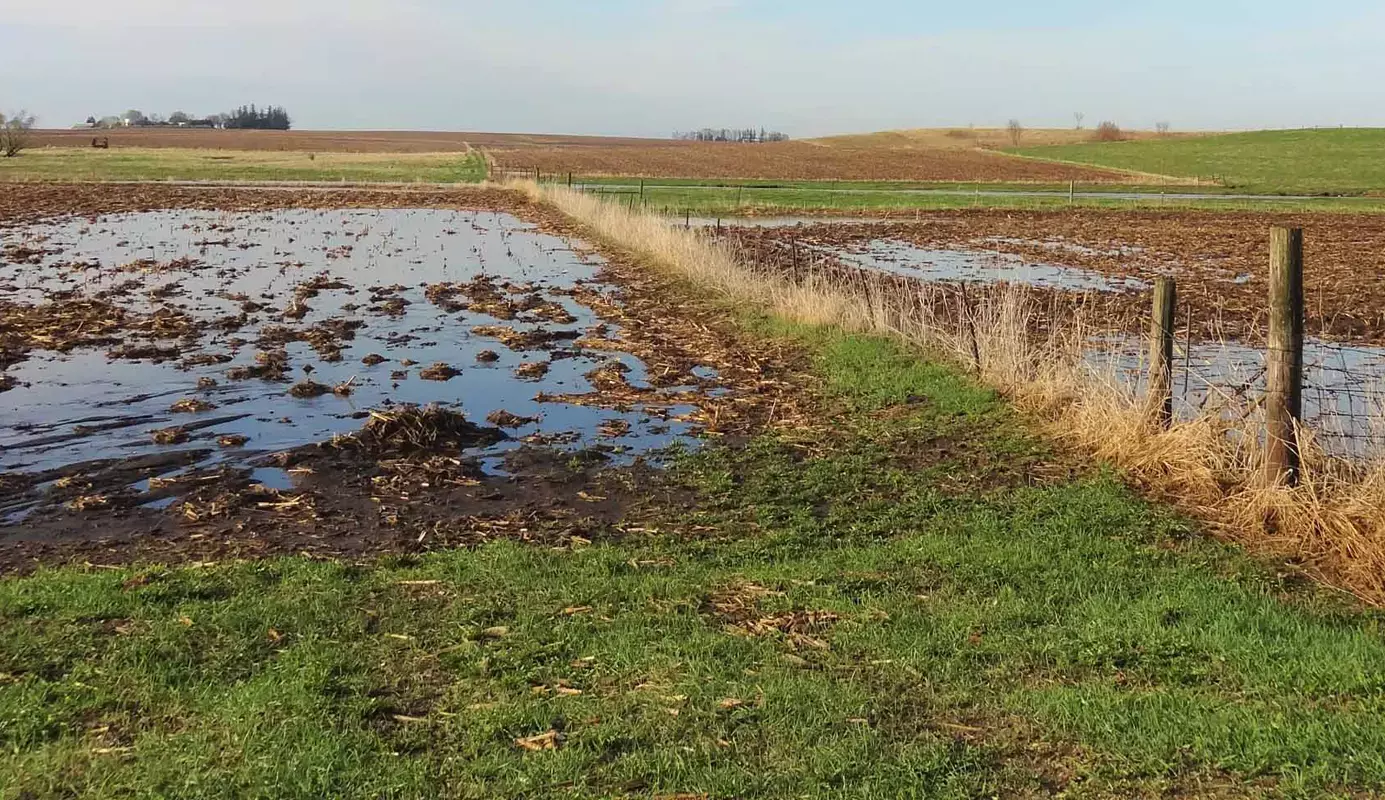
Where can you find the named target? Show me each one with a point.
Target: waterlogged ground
(190, 364)
(324, 293)
(1074, 275)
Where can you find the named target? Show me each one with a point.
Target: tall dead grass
(1333, 523)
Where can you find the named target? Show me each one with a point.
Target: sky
(650, 67)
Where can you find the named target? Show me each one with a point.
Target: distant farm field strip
(142, 164)
(1350, 161)
(794, 161)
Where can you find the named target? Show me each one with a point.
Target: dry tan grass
(1333, 524)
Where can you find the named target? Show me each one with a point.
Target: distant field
(902, 156)
(320, 141)
(806, 160)
(972, 138)
(139, 164)
(1349, 161)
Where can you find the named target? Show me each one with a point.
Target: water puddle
(253, 333)
(976, 266)
(1343, 394)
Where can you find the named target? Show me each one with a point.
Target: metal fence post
(1161, 351)
(1284, 399)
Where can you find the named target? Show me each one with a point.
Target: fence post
(969, 328)
(1161, 351)
(1072, 192)
(1284, 401)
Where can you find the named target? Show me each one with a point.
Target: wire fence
(1342, 385)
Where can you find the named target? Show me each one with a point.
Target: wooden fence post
(1284, 400)
(1161, 351)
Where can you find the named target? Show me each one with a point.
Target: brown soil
(1221, 260)
(793, 161)
(322, 141)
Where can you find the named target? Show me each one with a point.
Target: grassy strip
(738, 201)
(158, 164)
(896, 605)
(880, 186)
(1272, 162)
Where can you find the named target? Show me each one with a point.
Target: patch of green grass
(160, 164)
(1344, 161)
(729, 201)
(897, 603)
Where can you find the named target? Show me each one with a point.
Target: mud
(223, 412)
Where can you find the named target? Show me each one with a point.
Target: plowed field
(793, 161)
(1221, 261)
(322, 141)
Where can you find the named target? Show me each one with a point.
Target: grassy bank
(1212, 465)
(919, 600)
(159, 164)
(1344, 161)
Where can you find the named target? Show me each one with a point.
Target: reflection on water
(1343, 396)
(974, 266)
(368, 268)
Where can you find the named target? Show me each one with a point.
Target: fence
(1293, 392)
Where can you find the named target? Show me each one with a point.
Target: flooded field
(1103, 277)
(976, 266)
(147, 352)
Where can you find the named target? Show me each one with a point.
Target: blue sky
(808, 67)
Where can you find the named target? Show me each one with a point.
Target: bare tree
(14, 133)
(1016, 132)
(1162, 128)
(1079, 117)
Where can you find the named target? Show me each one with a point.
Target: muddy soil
(1221, 260)
(613, 366)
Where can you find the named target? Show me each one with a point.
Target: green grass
(1345, 161)
(159, 164)
(732, 201)
(992, 636)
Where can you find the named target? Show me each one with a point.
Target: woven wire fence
(1343, 386)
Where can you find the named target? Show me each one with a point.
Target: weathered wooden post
(968, 320)
(1161, 351)
(1284, 401)
(1072, 192)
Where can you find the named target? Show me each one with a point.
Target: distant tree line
(273, 118)
(749, 135)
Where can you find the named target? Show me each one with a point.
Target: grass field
(811, 198)
(916, 601)
(1349, 161)
(158, 164)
